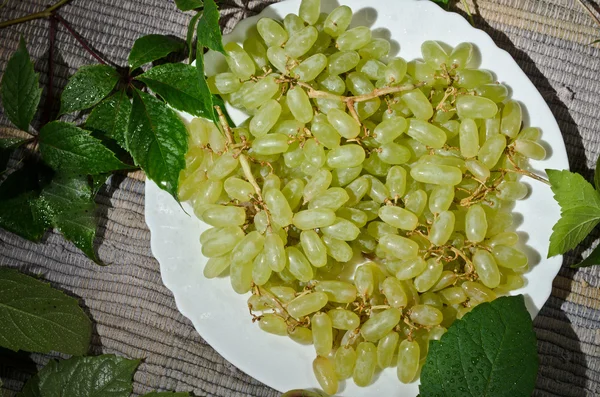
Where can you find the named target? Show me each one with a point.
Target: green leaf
(179, 86)
(98, 181)
(20, 88)
(167, 394)
(88, 86)
(157, 140)
(100, 376)
(39, 318)
(593, 259)
(70, 207)
(111, 117)
(7, 146)
(490, 352)
(580, 210)
(67, 147)
(208, 98)
(209, 31)
(149, 48)
(190, 34)
(187, 5)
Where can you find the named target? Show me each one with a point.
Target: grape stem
(225, 125)
(530, 174)
(312, 93)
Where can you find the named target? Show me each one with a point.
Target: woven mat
(135, 315)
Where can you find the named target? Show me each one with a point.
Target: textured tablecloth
(135, 315)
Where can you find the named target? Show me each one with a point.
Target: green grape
(343, 176)
(530, 149)
(357, 217)
(530, 133)
(378, 191)
(301, 335)
(476, 224)
(418, 103)
(226, 83)
(310, 68)
(270, 144)
(407, 269)
(426, 133)
(447, 279)
(372, 68)
(408, 361)
(376, 49)
(258, 303)
(337, 291)
(343, 319)
(442, 228)
(238, 189)
(265, 118)
(366, 362)
(307, 304)
(293, 23)
(313, 248)
(388, 130)
(298, 264)
(223, 166)
(512, 118)
(346, 156)
(395, 71)
(342, 61)
(309, 12)
(415, 201)
(427, 279)
(325, 373)
(240, 276)
(299, 104)
(354, 39)
(261, 92)
(398, 217)
(337, 21)
(426, 315)
(278, 58)
(357, 189)
(337, 249)
(501, 222)
(284, 294)
(261, 271)
(364, 280)
(314, 218)
(394, 292)
(325, 105)
(322, 331)
(332, 83)
(248, 247)
(398, 246)
(321, 46)
(491, 150)
(475, 107)
(453, 295)
(222, 216)
(216, 140)
(396, 181)
(473, 78)
(386, 349)
(271, 32)
(278, 207)
(393, 153)
(380, 324)
(317, 184)
(345, 359)
(343, 123)
(421, 72)
(261, 221)
(314, 153)
(293, 191)
(325, 133)
(511, 191)
(486, 268)
(273, 324)
(365, 243)
(274, 252)
(440, 198)
(436, 174)
(239, 61)
(216, 266)
(341, 229)
(504, 238)
(253, 45)
(496, 92)
(461, 55)
(469, 138)
(478, 292)
(478, 169)
(333, 198)
(379, 229)
(301, 41)
(490, 127)
(433, 54)
(509, 257)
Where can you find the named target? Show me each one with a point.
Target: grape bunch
(366, 201)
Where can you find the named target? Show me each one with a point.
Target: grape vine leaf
(188, 5)
(111, 117)
(190, 35)
(20, 89)
(580, 210)
(66, 147)
(593, 259)
(208, 31)
(179, 86)
(157, 140)
(491, 351)
(151, 47)
(98, 376)
(167, 394)
(39, 318)
(88, 86)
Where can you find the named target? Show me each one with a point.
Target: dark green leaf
(157, 140)
(70, 206)
(491, 352)
(190, 34)
(207, 97)
(20, 89)
(167, 394)
(39, 318)
(20, 215)
(149, 48)
(100, 376)
(597, 175)
(32, 176)
(187, 5)
(67, 147)
(111, 117)
(7, 146)
(593, 259)
(179, 86)
(88, 86)
(209, 31)
(99, 180)
(580, 210)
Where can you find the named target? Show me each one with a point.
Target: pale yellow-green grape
(236, 98)
(301, 335)
(240, 276)
(409, 269)
(502, 221)
(373, 164)
(429, 277)
(386, 349)
(265, 118)
(300, 42)
(378, 191)
(341, 62)
(261, 92)
(408, 360)
(293, 191)
(299, 104)
(366, 362)
(442, 228)
(365, 243)
(394, 292)
(426, 315)
(530, 134)
(504, 238)
(476, 224)
(512, 118)
(368, 207)
(354, 39)
(396, 181)
(188, 184)
(271, 32)
(274, 252)
(475, 107)
(309, 12)
(293, 23)
(372, 68)
(469, 138)
(433, 54)
(307, 304)
(341, 229)
(337, 249)
(357, 217)
(271, 181)
(436, 174)
(432, 299)
(325, 105)
(337, 21)
(216, 140)
(395, 71)
(357, 189)
(343, 123)
(345, 359)
(511, 191)
(415, 201)
(284, 294)
(258, 303)
(278, 207)
(376, 49)
(325, 373)
(278, 58)
(436, 333)
(314, 218)
(248, 247)
(322, 331)
(447, 278)
(461, 311)
(222, 216)
(198, 131)
(239, 61)
(333, 198)
(261, 271)
(530, 149)
(317, 184)
(398, 217)
(440, 198)
(486, 267)
(337, 291)
(478, 169)
(496, 92)
(270, 144)
(225, 83)
(273, 324)
(398, 246)
(421, 71)
(238, 189)
(478, 292)
(460, 55)
(491, 150)
(453, 295)
(343, 319)
(332, 83)
(388, 130)
(310, 68)
(451, 128)
(426, 133)
(379, 229)
(321, 46)
(418, 103)
(473, 78)
(509, 257)
(450, 158)
(364, 281)
(346, 156)
(314, 153)
(325, 133)
(358, 83)
(216, 266)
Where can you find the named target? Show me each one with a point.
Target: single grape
(354, 39)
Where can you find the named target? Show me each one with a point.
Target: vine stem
(530, 174)
(589, 11)
(78, 38)
(312, 93)
(468, 11)
(48, 12)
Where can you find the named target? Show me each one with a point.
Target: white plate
(221, 317)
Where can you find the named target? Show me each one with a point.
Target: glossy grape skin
(325, 373)
(408, 360)
(239, 61)
(366, 362)
(271, 32)
(354, 39)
